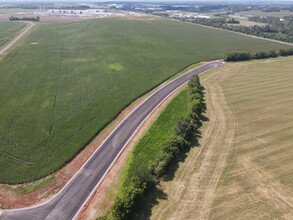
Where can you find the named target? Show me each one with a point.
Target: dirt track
(17, 39)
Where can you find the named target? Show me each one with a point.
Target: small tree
(184, 129)
(125, 203)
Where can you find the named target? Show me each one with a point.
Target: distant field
(280, 14)
(13, 10)
(245, 21)
(68, 81)
(8, 30)
(243, 166)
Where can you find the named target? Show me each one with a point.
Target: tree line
(273, 29)
(245, 56)
(185, 132)
(13, 18)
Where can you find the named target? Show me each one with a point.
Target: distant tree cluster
(274, 28)
(282, 26)
(135, 188)
(235, 57)
(13, 18)
(233, 21)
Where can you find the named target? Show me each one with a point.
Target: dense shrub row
(135, 188)
(13, 18)
(275, 29)
(234, 57)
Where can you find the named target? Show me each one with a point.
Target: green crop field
(13, 10)
(152, 143)
(8, 30)
(67, 81)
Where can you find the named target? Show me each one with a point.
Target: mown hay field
(243, 166)
(67, 81)
(258, 178)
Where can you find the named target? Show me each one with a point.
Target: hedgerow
(235, 57)
(136, 187)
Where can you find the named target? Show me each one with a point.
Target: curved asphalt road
(70, 200)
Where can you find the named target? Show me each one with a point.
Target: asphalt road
(70, 200)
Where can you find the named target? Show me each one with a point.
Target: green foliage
(13, 18)
(184, 129)
(171, 150)
(196, 106)
(273, 54)
(286, 52)
(67, 81)
(233, 21)
(233, 57)
(260, 55)
(126, 202)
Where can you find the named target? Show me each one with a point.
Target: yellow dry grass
(243, 166)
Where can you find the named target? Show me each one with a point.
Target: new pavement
(70, 200)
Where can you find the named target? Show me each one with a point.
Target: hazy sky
(141, 0)
(240, 1)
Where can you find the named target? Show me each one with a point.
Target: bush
(126, 202)
(260, 55)
(171, 151)
(273, 54)
(284, 52)
(13, 18)
(234, 57)
(196, 107)
(194, 82)
(184, 129)
(160, 166)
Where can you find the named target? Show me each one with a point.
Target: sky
(145, 0)
(240, 1)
